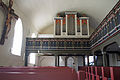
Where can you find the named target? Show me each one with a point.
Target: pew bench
(37, 73)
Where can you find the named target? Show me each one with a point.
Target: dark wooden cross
(9, 16)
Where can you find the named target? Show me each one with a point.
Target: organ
(71, 25)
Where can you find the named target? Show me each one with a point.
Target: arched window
(17, 40)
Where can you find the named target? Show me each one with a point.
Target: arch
(67, 58)
(70, 62)
(112, 47)
(112, 55)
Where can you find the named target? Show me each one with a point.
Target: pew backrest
(41, 73)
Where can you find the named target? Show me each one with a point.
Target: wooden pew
(98, 73)
(89, 73)
(38, 73)
(106, 73)
(115, 73)
(83, 68)
(93, 72)
(81, 75)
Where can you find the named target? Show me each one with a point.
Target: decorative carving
(9, 15)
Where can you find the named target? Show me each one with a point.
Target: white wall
(46, 61)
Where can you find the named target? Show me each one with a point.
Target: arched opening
(112, 48)
(112, 54)
(71, 62)
(17, 40)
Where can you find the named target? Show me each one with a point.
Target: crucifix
(9, 14)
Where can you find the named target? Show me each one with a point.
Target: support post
(88, 26)
(94, 60)
(26, 58)
(81, 27)
(56, 60)
(88, 60)
(104, 59)
(75, 24)
(83, 60)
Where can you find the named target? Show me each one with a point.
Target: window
(91, 60)
(17, 40)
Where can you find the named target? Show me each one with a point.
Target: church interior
(59, 40)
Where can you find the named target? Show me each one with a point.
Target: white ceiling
(41, 12)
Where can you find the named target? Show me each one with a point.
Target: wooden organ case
(71, 25)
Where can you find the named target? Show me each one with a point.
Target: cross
(9, 16)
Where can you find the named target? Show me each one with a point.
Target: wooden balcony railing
(109, 27)
(57, 43)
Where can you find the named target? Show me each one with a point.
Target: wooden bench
(115, 73)
(83, 68)
(106, 73)
(89, 73)
(98, 73)
(38, 73)
(93, 72)
(81, 75)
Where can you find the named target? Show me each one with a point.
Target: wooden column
(26, 58)
(56, 60)
(83, 60)
(87, 60)
(94, 60)
(104, 59)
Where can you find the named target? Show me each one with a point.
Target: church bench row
(59, 73)
(37, 73)
(99, 73)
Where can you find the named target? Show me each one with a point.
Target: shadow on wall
(93, 24)
(47, 29)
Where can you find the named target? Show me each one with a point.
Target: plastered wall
(46, 61)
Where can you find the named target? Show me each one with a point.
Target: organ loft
(59, 40)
